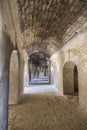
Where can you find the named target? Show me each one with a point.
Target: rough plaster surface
(68, 81)
(75, 51)
(14, 78)
(68, 78)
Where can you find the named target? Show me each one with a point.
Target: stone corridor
(47, 111)
(43, 42)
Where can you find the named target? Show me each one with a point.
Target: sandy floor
(47, 111)
(38, 89)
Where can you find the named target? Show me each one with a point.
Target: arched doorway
(41, 73)
(39, 68)
(70, 78)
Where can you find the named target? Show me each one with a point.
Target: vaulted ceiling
(48, 24)
(38, 59)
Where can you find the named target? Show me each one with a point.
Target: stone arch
(39, 67)
(70, 78)
(14, 78)
(41, 48)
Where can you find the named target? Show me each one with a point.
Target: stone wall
(12, 27)
(5, 51)
(76, 51)
(14, 78)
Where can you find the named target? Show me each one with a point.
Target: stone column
(14, 78)
(21, 86)
(26, 73)
(49, 71)
(29, 71)
(52, 75)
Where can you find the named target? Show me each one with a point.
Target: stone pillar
(52, 75)
(21, 86)
(26, 73)
(49, 71)
(23, 63)
(14, 78)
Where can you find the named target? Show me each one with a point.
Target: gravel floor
(47, 111)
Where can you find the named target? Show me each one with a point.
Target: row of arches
(70, 75)
(70, 78)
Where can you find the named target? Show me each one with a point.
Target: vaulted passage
(43, 64)
(39, 68)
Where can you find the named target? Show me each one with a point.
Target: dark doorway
(75, 80)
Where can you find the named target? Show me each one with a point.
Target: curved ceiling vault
(38, 59)
(48, 24)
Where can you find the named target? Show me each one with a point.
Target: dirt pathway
(48, 111)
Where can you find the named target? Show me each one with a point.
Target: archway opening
(39, 68)
(70, 79)
(41, 73)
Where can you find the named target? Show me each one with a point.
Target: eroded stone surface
(14, 78)
(50, 23)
